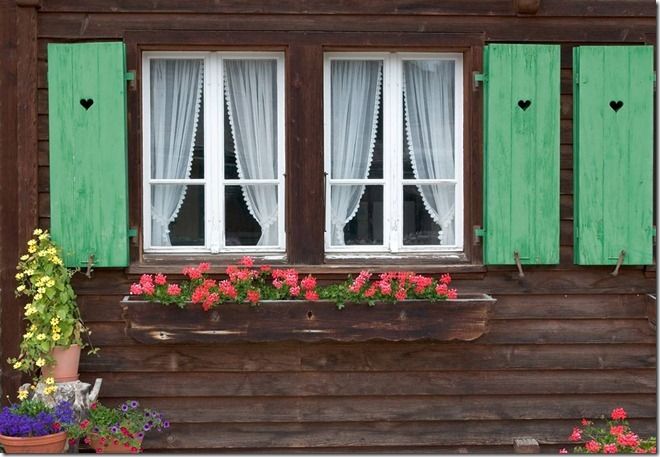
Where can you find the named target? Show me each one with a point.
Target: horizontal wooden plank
(367, 434)
(370, 409)
(569, 306)
(378, 450)
(542, 331)
(638, 381)
(381, 356)
(608, 8)
(463, 319)
(96, 25)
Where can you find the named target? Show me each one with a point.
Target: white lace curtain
(355, 88)
(251, 90)
(176, 93)
(429, 112)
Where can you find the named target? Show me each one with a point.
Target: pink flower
(400, 294)
(136, 289)
(294, 291)
(246, 261)
(173, 290)
(204, 267)
(445, 279)
(192, 272)
(617, 430)
(452, 293)
(370, 292)
(264, 268)
(160, 279)
(253, 296)
(277, 283)
(211, 300)
(308, 283)
(228, 289)
(586, 422)
(311, 295)
(629, 439)
(441, 289)
(385, 287)
(592, 446)
(609, 449)
(576, 435)
(619, 414)
(641, 450)
(148, 288)
(563, 451)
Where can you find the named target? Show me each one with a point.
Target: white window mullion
(213, 165)
(146, 148)
(281, 156)
(396, 155)
(327, 146)
(459, 216)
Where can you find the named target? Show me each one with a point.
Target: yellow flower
(40, 361)
(19, 275)
(38, 296)
(30, 311)
(20, 288)
(43, 237)
(55, 321)
(33, 328)
(50, 381)
(41, 337)
(32, 249)
(28, 335)
(51, 283)
(32, 243)
(42, 254)
(29, 272)
(25, 257)
(41, 290)
(56, 336)
(50, 390)
(37, 232)
(18, 364)
(22, 394)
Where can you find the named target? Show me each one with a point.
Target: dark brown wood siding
(564, 342)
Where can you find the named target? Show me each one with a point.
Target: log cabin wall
(564, 342)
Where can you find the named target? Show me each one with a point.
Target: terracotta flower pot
(109, 447)
(48, 444)
(65, 368)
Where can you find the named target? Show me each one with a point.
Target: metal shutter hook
(619, 262)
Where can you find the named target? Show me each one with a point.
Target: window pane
(251, 215)
(428, 214)
(177, 215)
(355, 100)
(356, 215)
(251, 108)
(176, 115)
(428, 98)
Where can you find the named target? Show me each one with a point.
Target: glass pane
(355, 87)
(251, 215)
(177, 118)
(177, 215)
(356, 215)
(251, 119)
(428, 106)
(425, 209)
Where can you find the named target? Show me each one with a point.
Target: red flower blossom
(609, 449)
(400, 294)
(56, 426)
(586, 422)
(134, 450)
(308, 283)
(228, 289)
(253, 296)
(311, 295)
(246, 261)
(370, 292)
(173, 290)
(617, 430)
(93, 405)
(146, 279)
(136, 289)
(148, 288)
(264, 268)
(576, 435)
(192, 272)
(592, 446)
(629, 439)
(84, 424)
(294, 291)
(452, 293)
(619, 414)
(160, 279)
(277, 283)
(86, 440)
(204, 267)
(445, 279)
(441, 289)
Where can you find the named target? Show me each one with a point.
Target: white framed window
(213, 152)
(393, 126)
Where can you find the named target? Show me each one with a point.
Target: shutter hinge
(130, 75)
(478, 233)
(653, 233)
(478, 78)
(132, 232)
(576, 78)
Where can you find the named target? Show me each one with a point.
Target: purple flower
(134, 404)
(114, 429)
(34, 418)
(166, 424)
(147, 414)
(140, 435)
(124, 407)
(147, 427)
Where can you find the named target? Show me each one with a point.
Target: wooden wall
(564, 342)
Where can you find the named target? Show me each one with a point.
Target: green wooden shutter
(613, 150)
(521, 153)
(87, 136)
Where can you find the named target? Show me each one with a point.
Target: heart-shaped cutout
(616, 105)
(524, 104)
(86, 103)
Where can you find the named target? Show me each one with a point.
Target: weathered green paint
(613, 151)
(521, 153)
(88, 167)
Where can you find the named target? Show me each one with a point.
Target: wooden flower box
(464, 319)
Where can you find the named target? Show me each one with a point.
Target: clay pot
(108, 446)
(65, 368)
(47, 444)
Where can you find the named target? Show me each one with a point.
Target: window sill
(462, 319)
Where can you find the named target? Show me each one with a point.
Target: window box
(464, 319)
